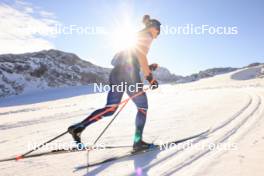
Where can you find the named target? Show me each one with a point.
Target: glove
(153, 83)
(153, 67)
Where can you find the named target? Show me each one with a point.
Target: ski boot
(75, 131)
(141, 145)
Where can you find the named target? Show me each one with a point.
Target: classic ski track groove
(128, 154)
(194, 157)
(198, 155)
(222, 125)
(236, 123)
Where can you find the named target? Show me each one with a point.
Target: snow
(230, 105)
(33, 96)
(247, 74)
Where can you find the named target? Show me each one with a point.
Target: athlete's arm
(142, 52)
(143, 61)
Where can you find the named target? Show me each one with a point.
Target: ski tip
(19, 157)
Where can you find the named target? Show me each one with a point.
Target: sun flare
(123, 38)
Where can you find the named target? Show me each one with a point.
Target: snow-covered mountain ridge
(46, 69)
(20, 73)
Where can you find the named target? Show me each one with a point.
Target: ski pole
(124, 102)
(110, 123)
(40, 146)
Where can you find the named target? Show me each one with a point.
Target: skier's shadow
(139, 161)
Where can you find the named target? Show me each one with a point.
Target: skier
(127, 65)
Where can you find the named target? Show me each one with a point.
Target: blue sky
(181, 53)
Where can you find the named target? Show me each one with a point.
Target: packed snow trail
(232, 108)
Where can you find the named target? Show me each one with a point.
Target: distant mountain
(206, 74)
(46, 69)
(27, 72)
(163, 75)
(261, 65)
(254, 64)
(261, 74)
(216, 71)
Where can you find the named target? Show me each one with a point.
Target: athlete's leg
(113, 99)
(141, 102)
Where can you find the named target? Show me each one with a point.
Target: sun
(123, 38)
